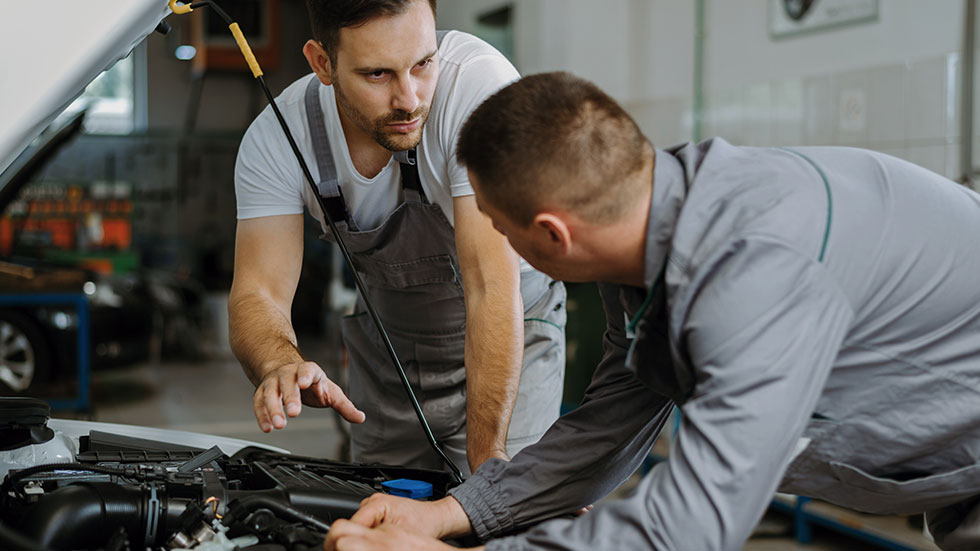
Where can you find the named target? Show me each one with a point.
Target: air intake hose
(83, 516)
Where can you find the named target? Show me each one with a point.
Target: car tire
(25, 360)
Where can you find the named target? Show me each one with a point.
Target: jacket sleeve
(762, 330)
(583, 456)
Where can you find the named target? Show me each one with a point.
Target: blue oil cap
(404, 487)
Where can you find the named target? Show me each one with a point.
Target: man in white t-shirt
(480, 332)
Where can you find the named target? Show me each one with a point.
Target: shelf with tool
(92, 224)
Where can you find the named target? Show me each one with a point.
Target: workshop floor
(215, 397)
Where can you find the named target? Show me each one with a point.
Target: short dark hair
(327, 17)
(554, 139)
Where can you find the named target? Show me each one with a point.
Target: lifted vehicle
(38, 341)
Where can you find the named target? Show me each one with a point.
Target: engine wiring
(214, 508)
(15, 477)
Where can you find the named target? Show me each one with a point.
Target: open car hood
(52, 50)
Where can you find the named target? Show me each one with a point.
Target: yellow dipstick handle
(246, 50)
(179, 10)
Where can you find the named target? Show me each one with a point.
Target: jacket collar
(669, 191)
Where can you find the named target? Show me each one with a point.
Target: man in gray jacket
(813, 311)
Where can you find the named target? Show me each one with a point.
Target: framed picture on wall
(216, 48)
(792, 17)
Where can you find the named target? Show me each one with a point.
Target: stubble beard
(378, 129)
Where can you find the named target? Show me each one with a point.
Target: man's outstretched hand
(284, 390)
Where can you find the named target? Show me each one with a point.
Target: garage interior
(139, 209)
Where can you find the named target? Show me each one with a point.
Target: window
(116, 99)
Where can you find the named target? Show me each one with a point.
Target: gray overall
(410, 268)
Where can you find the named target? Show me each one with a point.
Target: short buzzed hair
(558, 140)
(327, 17)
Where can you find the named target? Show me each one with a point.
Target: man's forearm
(494, 352)
(586, 454)
(583, 456)
(261, 335)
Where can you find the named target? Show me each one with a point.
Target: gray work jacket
(820, 331)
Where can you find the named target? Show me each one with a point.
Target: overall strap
(411, 184)
(328, 186)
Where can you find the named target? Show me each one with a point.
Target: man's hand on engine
(346, 535)
(440, 519)
(283, 392)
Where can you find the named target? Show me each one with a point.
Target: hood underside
(52, 50)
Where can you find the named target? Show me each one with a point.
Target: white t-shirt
(269, 181)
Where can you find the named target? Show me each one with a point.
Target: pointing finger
(261, 414)
(288, 386)
(272, 401)
(340, 402)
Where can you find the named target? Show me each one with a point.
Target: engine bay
(123, 493)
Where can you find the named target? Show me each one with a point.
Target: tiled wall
(891, 84)
(909, 110)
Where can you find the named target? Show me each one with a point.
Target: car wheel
(24, 356)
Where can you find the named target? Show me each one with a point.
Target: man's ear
(319, 61)
(559, 234)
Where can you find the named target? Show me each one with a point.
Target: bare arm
(268, 259)
(494, 330)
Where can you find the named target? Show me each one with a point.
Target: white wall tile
(664, 122)
(662, 48)
(687, 122)
(886, 104)
(758, 114)
(642, 113)
(787, 112)
(976, 157)
(728, 115)
(951, 103)
(709, 125)
(673, 121)
(602, 61)
(932, 157)
(819, 95)
(976, 150)
(852, 108)
(899, 151)
(953, 171)
(739, 50)
(925, 99)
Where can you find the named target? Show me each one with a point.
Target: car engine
(121, 493)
